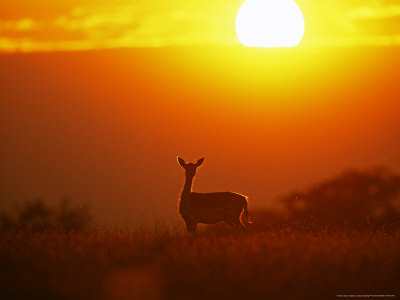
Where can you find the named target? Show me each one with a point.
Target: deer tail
(246, 212)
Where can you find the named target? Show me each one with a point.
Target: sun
(269, 23)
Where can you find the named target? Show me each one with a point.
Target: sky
(97, 98)
(46, 25)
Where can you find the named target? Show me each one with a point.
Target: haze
(105, 127)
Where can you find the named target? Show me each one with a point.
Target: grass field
(282, 263)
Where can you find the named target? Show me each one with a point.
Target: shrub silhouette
(354, 197)
(72, 219)
(36, 216)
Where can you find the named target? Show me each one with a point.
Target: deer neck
(187, 188)
(184, 203)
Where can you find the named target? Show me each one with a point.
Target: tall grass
(283, 263)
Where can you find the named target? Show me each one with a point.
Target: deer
(210, 208)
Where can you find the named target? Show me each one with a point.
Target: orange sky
(105, 126)
(47, 25)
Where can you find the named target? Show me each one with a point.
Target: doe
(210, 208)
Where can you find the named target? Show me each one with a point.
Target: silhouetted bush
(36, 216)
(6, 222)
(357, 198)
(72, 219)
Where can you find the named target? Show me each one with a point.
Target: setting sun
(269, 23)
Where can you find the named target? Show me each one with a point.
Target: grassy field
(282, 263)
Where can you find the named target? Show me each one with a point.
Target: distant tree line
(353, 199)
(36, 216)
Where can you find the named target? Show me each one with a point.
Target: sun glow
(269, 23)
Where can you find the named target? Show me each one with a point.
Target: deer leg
(243, 228)
(233, 219)
(191, 227)
(240, 225)
(236, 224)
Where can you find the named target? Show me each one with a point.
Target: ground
(279, 263)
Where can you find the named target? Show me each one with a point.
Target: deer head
(190, 168)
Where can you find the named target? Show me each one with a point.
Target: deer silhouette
(210, 208)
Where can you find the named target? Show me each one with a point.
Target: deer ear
(199, 162)
(181, 162)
